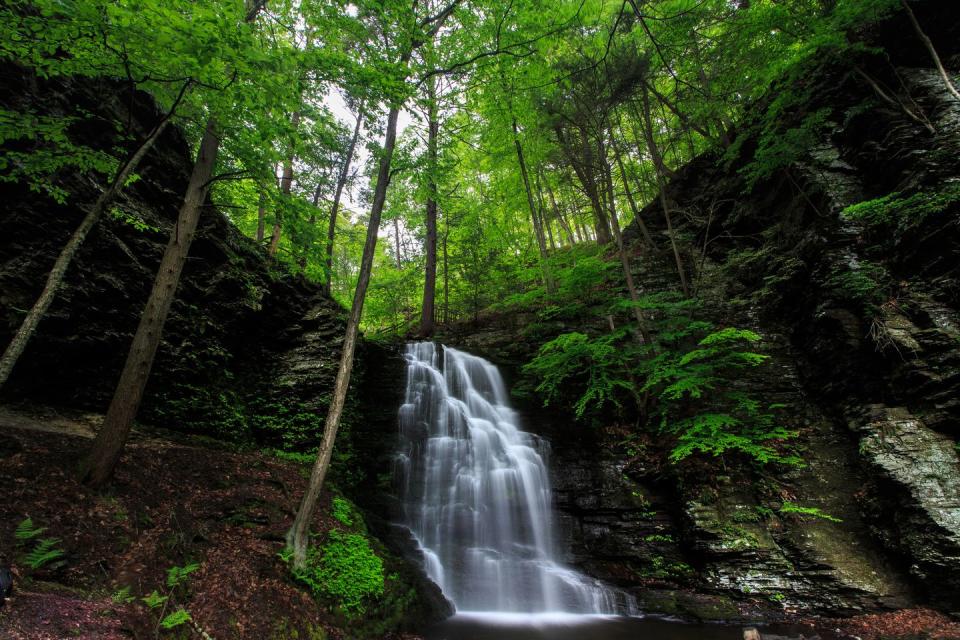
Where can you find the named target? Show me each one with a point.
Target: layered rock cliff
(861, 318)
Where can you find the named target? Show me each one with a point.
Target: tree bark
(427, 323)
(561, 220)
(297, 536)
(286, 184)
(928, 43)
(630, 199)
(625, 259)
(55, 278)
(341, 182)
(112, 436)
(537, 228)
(261, 217)
(584, 169)
(662, 187)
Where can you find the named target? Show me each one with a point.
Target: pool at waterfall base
(561, 626)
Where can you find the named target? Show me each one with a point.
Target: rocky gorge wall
(862, 323)
(248, 352)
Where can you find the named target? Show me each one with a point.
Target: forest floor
(173, 502)
(177, 500)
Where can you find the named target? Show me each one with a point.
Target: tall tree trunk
(341, 182)
(430, 242)
(396, 238)
(626, 187)
(54, 279)
(112, 436)
(446, 270)
(286, 184)
(561, 220)
(542, 212)
(297, 536)
(537, 228)
(928, 43)
(261, 217)
(584, 169)
(624, 257)
(662, 187)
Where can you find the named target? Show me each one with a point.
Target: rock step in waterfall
(476, 493)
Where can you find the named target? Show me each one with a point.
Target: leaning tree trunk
(662, 187)
(928, 43)
(625, 258)
(427, 322)
(341, 182)
(537, 228)
(297, 536)
(55, 278)
(106, 450)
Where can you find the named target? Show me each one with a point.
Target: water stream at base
(476, 494)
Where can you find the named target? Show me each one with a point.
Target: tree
(98, 467)
(297, 536)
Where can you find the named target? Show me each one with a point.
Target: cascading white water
(476, 492)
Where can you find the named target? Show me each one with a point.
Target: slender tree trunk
(286, 184)
(584, 169)
(112, 436)
(297, 536)
(647, 134)
(928, 43)
(430, 242)
(662, 187)
(55, 278)
(341, 182)
(261, 217)
(561, 220)
(625, 258)
(537, 229)
(633, 203)
(446, 270)
(396, 238)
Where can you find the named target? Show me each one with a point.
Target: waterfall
(476, 493)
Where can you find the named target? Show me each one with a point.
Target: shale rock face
(245, 350)
(862, 323)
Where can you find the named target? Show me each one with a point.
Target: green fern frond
(45, 552)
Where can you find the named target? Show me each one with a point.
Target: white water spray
(477, 496)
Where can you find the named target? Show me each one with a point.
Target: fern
(43, 553)
(178, 575)
(175, 619)
(25, 531)
(812, 512)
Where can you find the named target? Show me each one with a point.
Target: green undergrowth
(354, 577)
(688, 380)
(904, 211)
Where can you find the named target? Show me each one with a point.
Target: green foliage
(175, 619)
(597, 370)
(904, 211)
(694, 373)
(779, 148)
(43, 552)
(343, 511)
(810, 512)
(864, 284)
(345, 571)
(155, 600)
(177, 576)
(122, 596)
(26, 531)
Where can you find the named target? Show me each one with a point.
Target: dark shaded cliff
(248, 352)
(861, 318)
